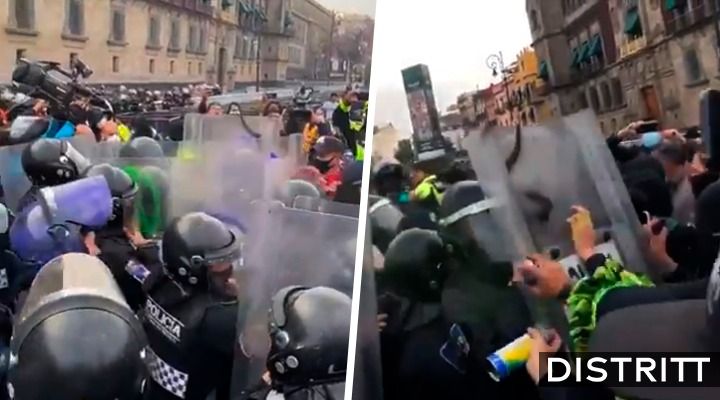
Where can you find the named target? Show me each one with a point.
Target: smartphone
(456, 350)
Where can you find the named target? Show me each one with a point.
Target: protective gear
(546, 187)
(142, 147)
(191, 327)
(196, 241)
(325, 258)
(50, 162)
(416, 265)
(384, 218)
(389, 178)
(309, 335)
(122, 189)
(53, 225)
(358, 114)
(298, 194)
(466, 214)
(76, 327)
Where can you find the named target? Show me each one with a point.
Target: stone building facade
(627, 59)
(168, 42)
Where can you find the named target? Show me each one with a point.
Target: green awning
(632, 22)
(244, 8)
(671, 5)
(584, 53)
(574, 60)
(595, 47)
(543, 71)
(261, 15)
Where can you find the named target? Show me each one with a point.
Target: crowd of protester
(448, 298)
(180, 270)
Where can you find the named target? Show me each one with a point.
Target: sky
(453, 37)
(366, 7)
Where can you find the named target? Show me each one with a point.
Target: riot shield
(74, 304)
(12, 176)
(287, 247)
(553, 167)
(367, 376)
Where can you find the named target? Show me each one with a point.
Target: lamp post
(495, 62)
(257, 27)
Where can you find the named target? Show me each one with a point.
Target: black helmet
(388, 178)
(415, 265)
(471, 218)
(122, 189)
(50, 162)
(77, 332)
(384, 218)
(195, 241)
(142, 147)
(298, 193)
(309, 335)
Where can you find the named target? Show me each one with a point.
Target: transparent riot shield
(367, 376)
(322, 205)
(557, 165)
(513, 237)
(286, 247)
(12, 176)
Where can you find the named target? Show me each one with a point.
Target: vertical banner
(427, 136)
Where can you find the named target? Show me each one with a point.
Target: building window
(75, 19)
(154, 32)
(172, 67)
(20, 53)
(594, 98)
(582, 99)
(174, 35)
(202, 45)
(607, 102)
(613, 126)
(602, 127)
(116, 64)
(238, 51)
(151, 66)
(118, 26)
(189, 68)
(226, 4)
(693, 67)
(534, 24)
(192, 39)
(617, 92)
(200, 68)
(22, 14)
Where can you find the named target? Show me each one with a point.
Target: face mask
(322, 166)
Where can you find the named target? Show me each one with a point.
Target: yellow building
(526, 89)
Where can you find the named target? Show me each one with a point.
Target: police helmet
(196, 241)
(122, 188)
(309, 336)
(50, 162)
(415, 265)
(142, 147)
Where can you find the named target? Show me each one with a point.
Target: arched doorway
(222, 67)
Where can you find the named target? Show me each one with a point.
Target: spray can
(509, 358)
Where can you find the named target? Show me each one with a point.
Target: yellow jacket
(310, 136)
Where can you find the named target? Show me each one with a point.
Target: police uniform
(190, 324)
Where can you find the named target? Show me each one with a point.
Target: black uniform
(190, 323)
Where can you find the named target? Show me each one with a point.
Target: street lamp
(495, 62)
(257, 28)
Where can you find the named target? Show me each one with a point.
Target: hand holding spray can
(511, 357)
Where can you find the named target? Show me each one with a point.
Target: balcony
(631, 46)
(681, 20)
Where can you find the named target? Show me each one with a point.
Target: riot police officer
(191, 310)
(130, 257)
(384, 218)
(142, 147)
(389, 181)
(50, 162)
(308, 330)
